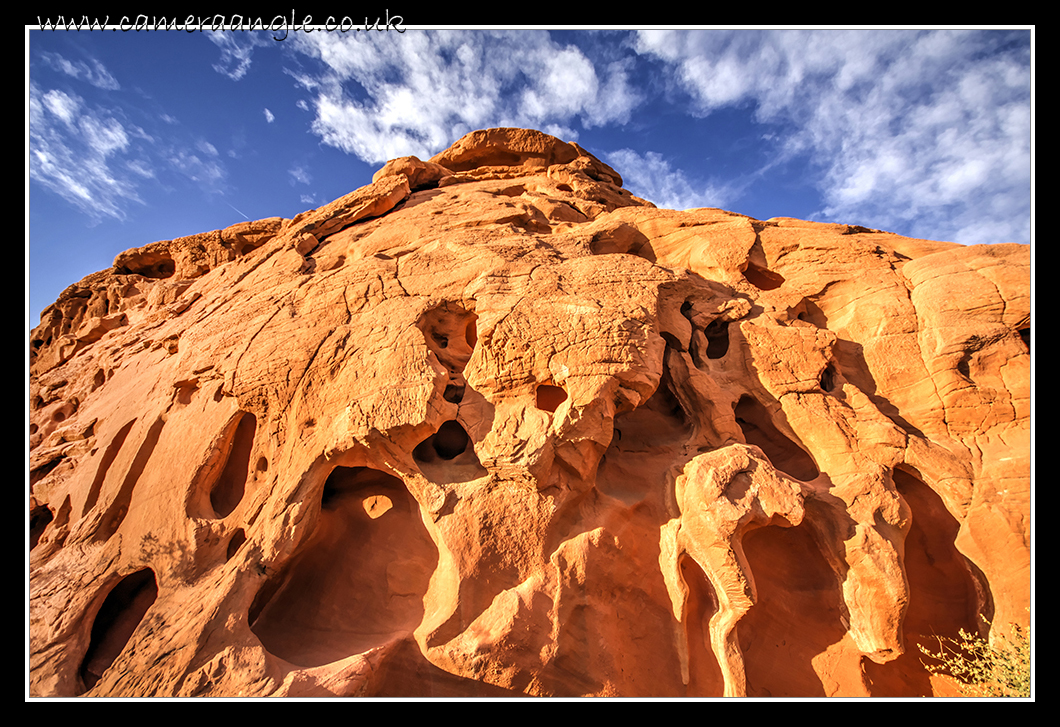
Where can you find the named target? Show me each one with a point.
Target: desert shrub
(982, 670)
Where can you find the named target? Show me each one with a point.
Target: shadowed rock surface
(494, 426)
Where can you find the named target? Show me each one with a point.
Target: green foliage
(982, 670)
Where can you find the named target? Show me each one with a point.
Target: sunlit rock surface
(492, 426)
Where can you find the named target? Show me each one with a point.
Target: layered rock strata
(492, 425)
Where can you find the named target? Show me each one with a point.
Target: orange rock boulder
(493, 426)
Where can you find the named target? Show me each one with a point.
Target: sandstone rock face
(493, 426)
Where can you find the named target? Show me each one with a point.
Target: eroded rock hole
(623, 239)
(451, 333)
(39, 517)
(946, 592)
(450, 441)
(762, 278)
(808, 312)
(944, 596)
(828, 378)
(149, 265)
(48, 530)
(104, 466)
(227, 491)
(117, 619)
(377, 505)
(672, 341)
(359, 578)
(471, 333)
(38, 474)
(653, 427)
(119, 508)
(759, 430)
(448, 455)
(549, 397)
(238, 538)
(1025, 336)
(799, 613)
(454, 393)
(704, 674)
(717, 333)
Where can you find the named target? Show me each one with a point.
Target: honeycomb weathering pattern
(494, 426)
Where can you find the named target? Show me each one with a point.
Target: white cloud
(97, 161)
(383, 97)
(71, 147)
(92, 72)
(64, 106)
(269, 117)
(205, 172)
(651, 177)
(927, 132)
(300, 175)
(237, 50)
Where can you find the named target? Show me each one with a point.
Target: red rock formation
(492, 425)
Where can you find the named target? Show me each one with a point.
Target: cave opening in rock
(448, 455)
(447, 443)
(798, 616)
(828, 378)
(115, 622)
(947, 592)
(717, 333)
(704, 674)
(39, 517)
(759, 430)
(227, 491)
(451, 334)
(762, 278)
(549, 397)
(238, 538)
(359, 578)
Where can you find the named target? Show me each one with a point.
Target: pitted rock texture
(494, 426)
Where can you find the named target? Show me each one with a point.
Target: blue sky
(135, 137)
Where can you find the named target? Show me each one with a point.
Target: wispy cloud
(74, 152)
(204, 170)
(652, 177)
(269, 117)
(299, 175)
(92, 71)
(417, 93)
(926, 131)
(237, 51)
(97, 160)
